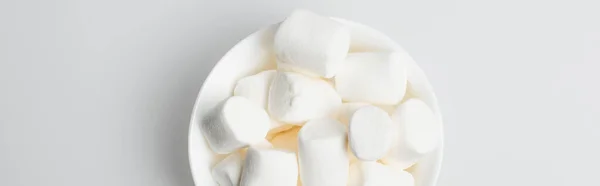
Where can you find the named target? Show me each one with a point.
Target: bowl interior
(254, 54)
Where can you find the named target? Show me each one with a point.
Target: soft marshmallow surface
(228, 171)
(322, 153)
(378, 78)
(418, 132)
(376, 174)
(269, 167)
(311, 44)
(370, 133)
(255, 87)
(235, 123)
(346, 110)
(295, 98)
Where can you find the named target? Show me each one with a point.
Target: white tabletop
(100, 93)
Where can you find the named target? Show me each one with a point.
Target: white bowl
(254, 54)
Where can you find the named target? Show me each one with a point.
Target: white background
(99, 93)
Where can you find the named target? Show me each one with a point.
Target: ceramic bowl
(254, 54)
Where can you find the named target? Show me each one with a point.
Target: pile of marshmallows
(325, 117)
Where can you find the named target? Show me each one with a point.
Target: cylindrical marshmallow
(269, 167)
(235, 123)
(295, 98)
(370, 133)
(346, 110)
(417, 130)
(322, 153)
(255, 87)
(312, 44)
(377, 78)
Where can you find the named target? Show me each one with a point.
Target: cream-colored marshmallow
(322, 153)
(377, 78)
(269, 167)
(236, 123)
(370, 133)
(418, 132)
(312, 44)
(295, 98)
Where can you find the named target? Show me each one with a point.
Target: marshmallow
(287, 140)
(347, 109)
(235, 123)
(269, 167)
(228, 171)
(309, 43)
(370, 133)
(378, 78)
(255, 87)
(418, 132)
(376, 174)
(322, 153)
(295, 99)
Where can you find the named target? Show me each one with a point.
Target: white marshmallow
(295, 98)
(322, 153)
(235, 123)
(378, 78)
(347, 109)
(312, 44)
(418, 132)
(255, 87)
(269, 167)
(228, 171)
(370, 133)
(376, 174)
